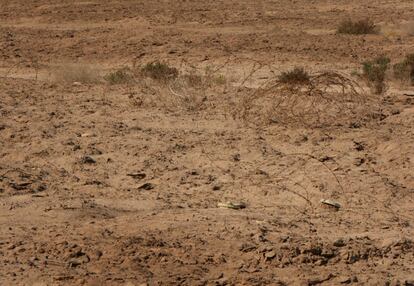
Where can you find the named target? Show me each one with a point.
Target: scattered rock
(97, 254)
(232, 205)
(270, 255)
(41, 188)
(88, 160)
(236, 157)
(359, 161)
(146, 186)
(217, 188)
(262, 173)
(137, 176)
(339, 242)
(93, 182)
(326, 158)
(331, 203)
(221, 282)
(317, 281)
(247, 247)
(92, 150)
(20, 186)
(194, 173)
(73, 262)
(359, 146)
(77, 258)
(344, 280)
(301, 138)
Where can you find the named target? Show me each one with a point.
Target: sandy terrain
(121, 185)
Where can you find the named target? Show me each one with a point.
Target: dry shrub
(374, 72)
(404, 70)
(159, 71)
(188, 93)
(156, 83)
(296, 76)
(359, 27)
(120, 76)
(81, 73)
(324, 99)
(189, 89)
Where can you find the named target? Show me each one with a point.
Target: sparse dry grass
(82, 73)
(360, 27)
(404, 70)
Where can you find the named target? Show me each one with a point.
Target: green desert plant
(374, 72)
(359, 27)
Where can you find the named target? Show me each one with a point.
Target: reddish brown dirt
(97, 189)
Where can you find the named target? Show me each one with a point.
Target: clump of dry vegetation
(296, 76)
(374, 72)
(188, 89)
(81, 73)
(360, 27)
(206, 79)
(404, 70)
(313, 100)
(193, 89)
(120, 76)
(159, 71)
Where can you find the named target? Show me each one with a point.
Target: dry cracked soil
(125, 184)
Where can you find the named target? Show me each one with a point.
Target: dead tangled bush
(81, 73)
(374, 72)
(296, 76)
(188, 92)
(120, 76)
(159, 71)
(187, 89)
(191, 89)
(323, 99)
(359, 27)
(404, 70)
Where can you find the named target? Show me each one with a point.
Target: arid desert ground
(201, 174)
